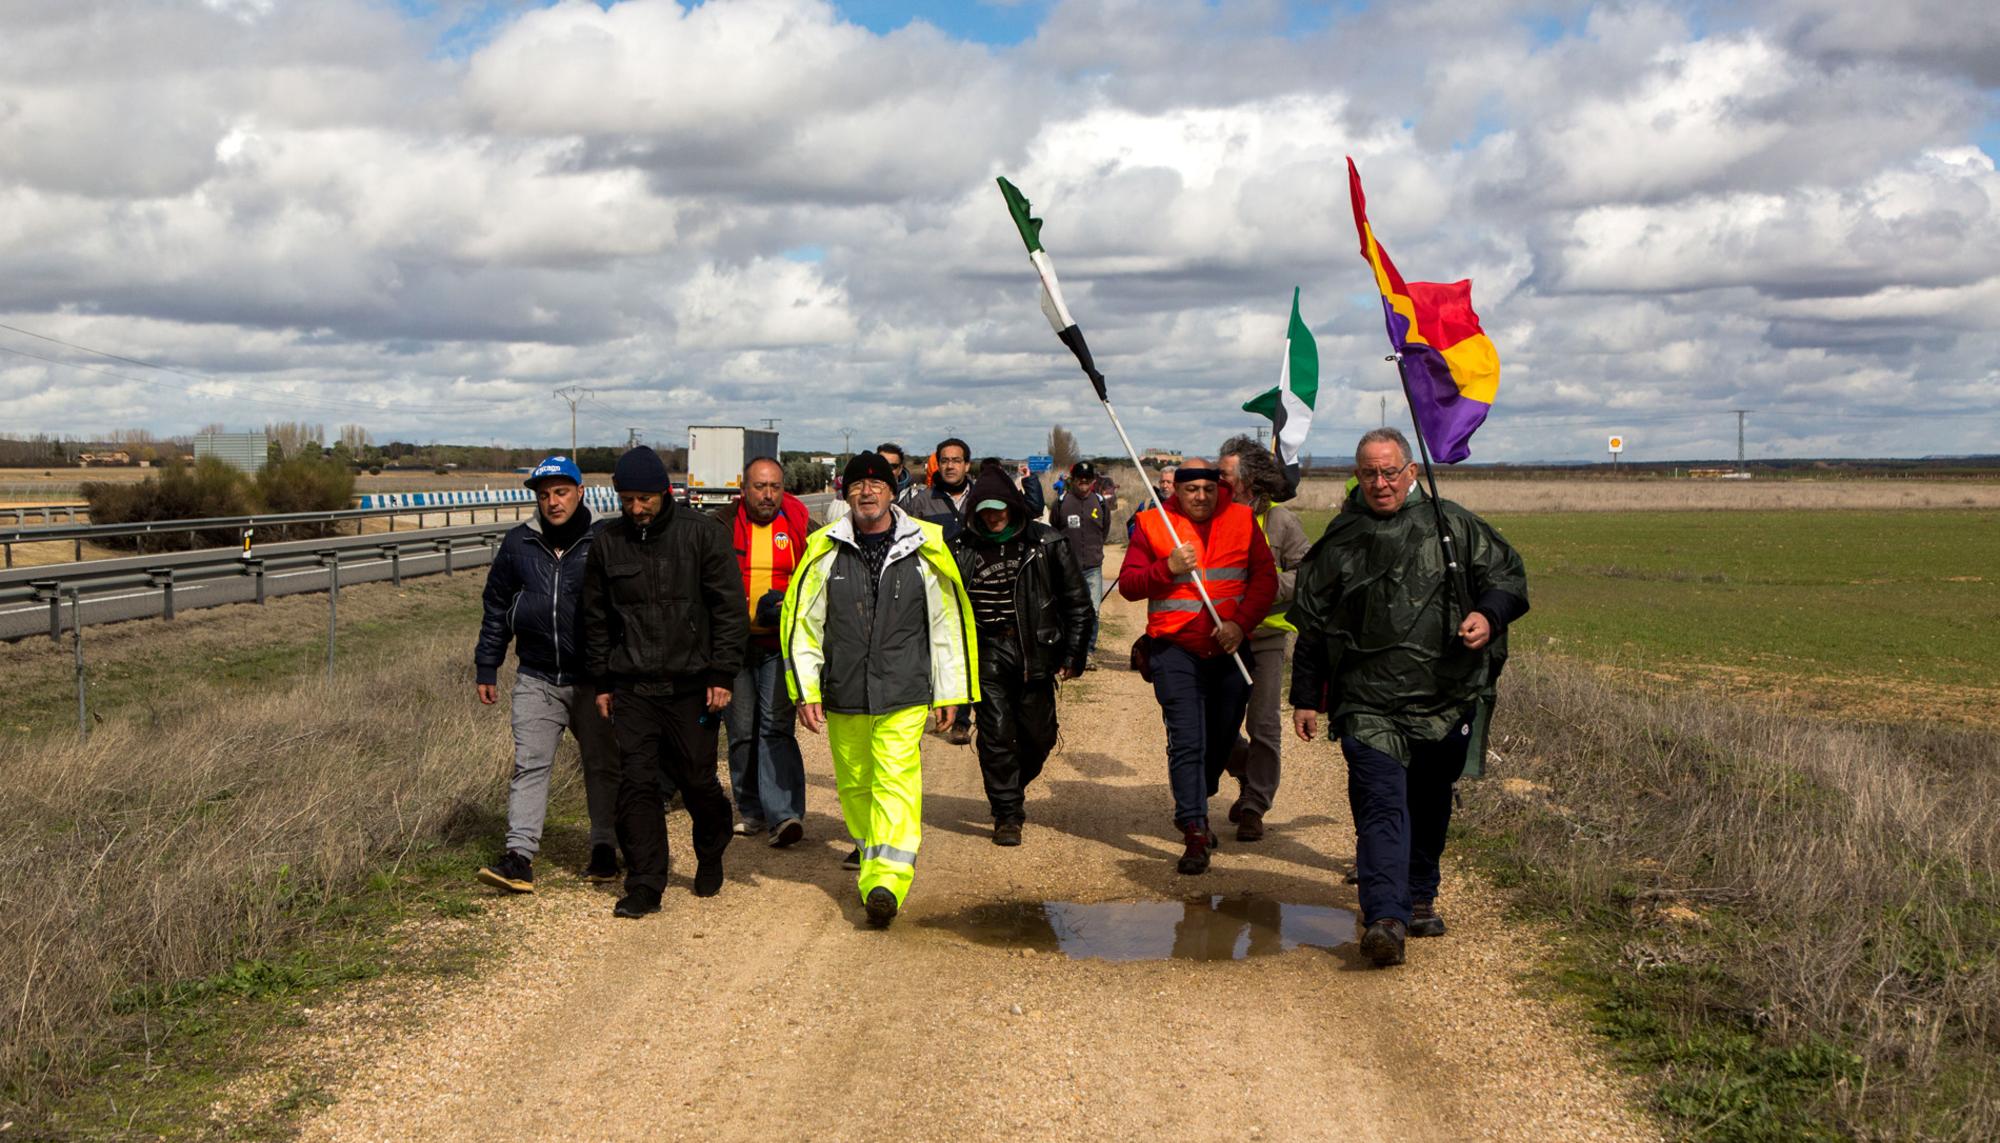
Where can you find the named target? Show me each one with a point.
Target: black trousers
(666, 739)
(1017, 727)
(1400, 818)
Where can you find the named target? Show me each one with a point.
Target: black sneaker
(708, 877)
(1383, 942)
(1424, 921)
(958, 736)
(603, 865)
(637, 902)
(1007, 832)
(513, 872)
(852, 860)
(881, 906)
(788, 833)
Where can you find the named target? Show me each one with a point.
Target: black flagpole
(1461, 593)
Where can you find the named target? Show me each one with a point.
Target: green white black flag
(1290, 405)
(1052, 299)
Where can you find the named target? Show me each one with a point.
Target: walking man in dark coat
(665, 626)
(1032, 614)
(534, 599)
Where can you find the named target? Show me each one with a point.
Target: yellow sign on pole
(1617, 445)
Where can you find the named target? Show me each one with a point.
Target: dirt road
(772, 1011)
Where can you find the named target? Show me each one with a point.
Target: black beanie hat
(640, 470)
(868, 466)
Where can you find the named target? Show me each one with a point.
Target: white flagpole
(1200, 583)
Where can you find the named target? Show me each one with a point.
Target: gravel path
(772, 1011)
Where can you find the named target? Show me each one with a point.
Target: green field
(1901, 605)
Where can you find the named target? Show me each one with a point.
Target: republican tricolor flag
(1450, 369)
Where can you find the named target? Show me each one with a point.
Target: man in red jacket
(766, 772)
(1193, 661)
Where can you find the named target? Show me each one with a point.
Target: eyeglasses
(1380, 475)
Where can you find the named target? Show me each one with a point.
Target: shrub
(304, 484)
(803, 476)
(205, 489)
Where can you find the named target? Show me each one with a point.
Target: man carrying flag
(1400, 671)
(1403, 607)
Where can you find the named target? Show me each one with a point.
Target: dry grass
(1487, 494)
(1795, 922)
(211, 830)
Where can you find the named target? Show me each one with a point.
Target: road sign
(1617, 445)
(1041, 463)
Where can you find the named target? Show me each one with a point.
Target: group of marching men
(923, 599)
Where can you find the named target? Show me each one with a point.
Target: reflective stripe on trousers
(878, 770)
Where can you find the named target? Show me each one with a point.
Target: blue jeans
(1093, 578)
(1202, 702)
(766, 772)
(1400, 817)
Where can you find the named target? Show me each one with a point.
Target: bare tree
(292, 437)
(1062, 446)
(212, 427)
(355, 437)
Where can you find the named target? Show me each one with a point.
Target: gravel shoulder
(773, 1009)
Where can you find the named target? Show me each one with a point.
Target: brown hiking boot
(1200, 842)
(1007, 832)
(1383, 942)
(1250, 826)
(1424, 921)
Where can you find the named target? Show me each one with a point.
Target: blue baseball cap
(555, 466)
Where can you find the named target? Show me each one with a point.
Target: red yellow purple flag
(1451, 371)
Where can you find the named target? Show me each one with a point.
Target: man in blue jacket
(534, 597)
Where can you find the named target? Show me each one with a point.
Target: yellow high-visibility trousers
(878, 769)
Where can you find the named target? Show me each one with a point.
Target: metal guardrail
(76, 534)
(97, 579)
(47, 512)
(85, 582)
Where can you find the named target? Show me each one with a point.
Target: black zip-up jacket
(1052, 609)
(663, 609)
(534, 599)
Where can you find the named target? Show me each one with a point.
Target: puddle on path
(1199, 928)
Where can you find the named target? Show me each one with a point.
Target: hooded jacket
(663, 608)
(1378, 625)
(534, 598)
(907, 643)
(1053, 616)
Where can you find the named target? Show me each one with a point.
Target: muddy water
(1199, 928)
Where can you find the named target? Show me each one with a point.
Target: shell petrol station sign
(1617, 444)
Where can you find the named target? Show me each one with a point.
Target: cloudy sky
(424, 216)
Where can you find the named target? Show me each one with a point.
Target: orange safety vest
(1224, 560)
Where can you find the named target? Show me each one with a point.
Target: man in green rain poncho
(1404, 662)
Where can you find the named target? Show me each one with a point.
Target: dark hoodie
(1028, 597)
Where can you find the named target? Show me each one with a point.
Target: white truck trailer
(716, 456)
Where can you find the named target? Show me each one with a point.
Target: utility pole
(574, 395)
(631, 437)
(1740, 413)
(1382, 402)
(771, 424)
(847, 441)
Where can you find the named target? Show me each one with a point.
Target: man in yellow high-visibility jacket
(877, 633)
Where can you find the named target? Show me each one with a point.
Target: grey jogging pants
(542, 711)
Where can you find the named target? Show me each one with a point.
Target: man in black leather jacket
(665, 628)
(534, 599)
(1033, 617)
